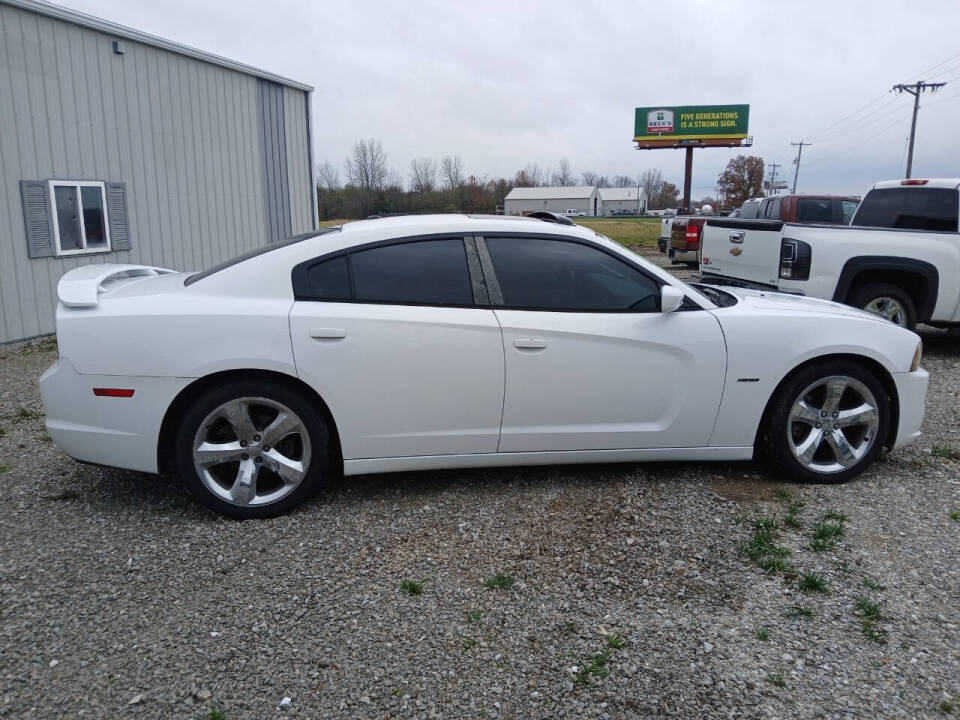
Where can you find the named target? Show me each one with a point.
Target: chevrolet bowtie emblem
(736, 251)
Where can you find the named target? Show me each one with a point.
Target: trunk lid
(742, 249)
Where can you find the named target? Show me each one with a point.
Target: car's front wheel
(251, 449)
(828, 422)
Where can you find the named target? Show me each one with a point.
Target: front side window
(80, 217)
(541, 274)
(909, 208)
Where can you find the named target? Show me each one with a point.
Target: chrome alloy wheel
(833, 424)
(252, 451)
(888, 308)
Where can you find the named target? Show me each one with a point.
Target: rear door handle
(328, 333)
(530, 343)
(736, 236)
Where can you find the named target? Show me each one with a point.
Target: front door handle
(530, 343)
(737, 236)
(328, 333)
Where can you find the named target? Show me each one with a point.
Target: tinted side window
(813, 210)
(749, 209)
(847, 209)
(912, 208)
(428, 272)
(330, 279)
(538, 274)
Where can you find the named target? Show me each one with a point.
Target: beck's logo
(659, 121)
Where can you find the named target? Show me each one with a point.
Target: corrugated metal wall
(183, 135)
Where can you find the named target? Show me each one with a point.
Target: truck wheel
(887, 301)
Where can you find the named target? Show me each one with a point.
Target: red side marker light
(113, 392)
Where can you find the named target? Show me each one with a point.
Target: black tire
(865, 294)
(270, 389)
(773, 444)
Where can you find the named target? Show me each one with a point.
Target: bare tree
(563, 176)
(592, 178)
(423, 175)
(451, 170)
(622, 181)
(327, 177)
(367, 165)
(651, 181)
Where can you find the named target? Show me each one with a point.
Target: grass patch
(63, 496)
(631, 232)
(761, 547)
(26, 414)
(870, 617)
(412, 587)
(955, 514)
(592, 668)
(616, 642)
(473, 616)
(945, 452)
(777, 680)
(826, 534)
(836, 516)
(813, 582)
(791, 517)
(500, 581)
(4, 469)
(44, 345)
(946, 706)
(216, 714)
(782, 494)
(761, 634)
(873, 584)
(799, 611)
(469, 643)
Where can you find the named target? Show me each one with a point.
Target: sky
(504, 84)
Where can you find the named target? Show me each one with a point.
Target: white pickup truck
(899, 257)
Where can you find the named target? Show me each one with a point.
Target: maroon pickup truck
(684, 243)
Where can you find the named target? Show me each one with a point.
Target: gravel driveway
(612, 591)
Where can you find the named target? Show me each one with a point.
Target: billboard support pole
(687, 178)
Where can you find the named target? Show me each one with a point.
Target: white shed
(629, 199)
(524, 200)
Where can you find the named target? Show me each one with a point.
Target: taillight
(914, 182)
(693, 238)
(795, 258)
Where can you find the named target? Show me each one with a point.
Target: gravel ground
(624, 592)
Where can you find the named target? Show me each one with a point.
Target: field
(634, 233)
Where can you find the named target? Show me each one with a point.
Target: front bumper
(115, 431)
(912, 393)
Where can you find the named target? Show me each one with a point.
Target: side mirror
(670, 298)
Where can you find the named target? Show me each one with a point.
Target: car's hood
(783, 302)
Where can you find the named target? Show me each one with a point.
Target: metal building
(630, 200)
(523, 200)
(117, 146)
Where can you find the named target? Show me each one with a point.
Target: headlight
(916, 357)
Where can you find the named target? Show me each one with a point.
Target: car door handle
(328, 333)
(530, 343)
(736, 236)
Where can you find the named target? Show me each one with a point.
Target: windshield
(256, 252)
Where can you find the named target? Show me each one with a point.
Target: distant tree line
(369, 186)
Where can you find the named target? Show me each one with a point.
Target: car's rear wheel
(828, 422)
(251, 449)
(887, 301)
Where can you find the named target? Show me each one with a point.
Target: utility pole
(773, 177)
(916, 90)
(796, 172)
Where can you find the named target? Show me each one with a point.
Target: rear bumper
(115, 431)
(684, 255)
(912, 393)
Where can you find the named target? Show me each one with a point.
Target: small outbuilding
(628, 200)
(525, 200)
(121, 147)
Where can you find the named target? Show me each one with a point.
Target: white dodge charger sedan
(452, 341)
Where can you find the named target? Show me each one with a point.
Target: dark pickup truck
(683, 245)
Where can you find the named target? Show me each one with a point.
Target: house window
(79, 217)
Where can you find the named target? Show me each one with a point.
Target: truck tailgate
(742, 249)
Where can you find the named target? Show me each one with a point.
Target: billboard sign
(691, 122)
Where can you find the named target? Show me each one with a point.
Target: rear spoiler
(82, 286)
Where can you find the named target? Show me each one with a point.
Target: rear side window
(541, 274)
(847, 210)
(330, 279)
(909, 208)
(814, 210)
(749, 209)
(430, 272)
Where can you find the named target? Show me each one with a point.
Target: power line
(845, 117)
(916, 89)
(942, 62)
(856, 128)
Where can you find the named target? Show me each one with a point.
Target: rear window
(814, 210)
(909, 208)
(256, 252)
(847, 210)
